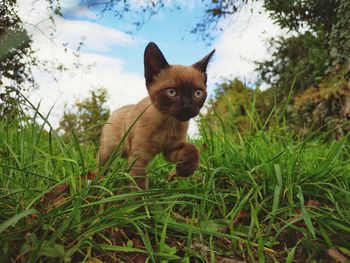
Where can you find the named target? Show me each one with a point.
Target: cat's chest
(168, 134)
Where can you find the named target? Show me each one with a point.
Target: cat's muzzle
(185, 115)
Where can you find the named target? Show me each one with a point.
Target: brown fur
(163, 120)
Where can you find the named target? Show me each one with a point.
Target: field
(264, 196)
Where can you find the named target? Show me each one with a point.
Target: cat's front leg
(186, 157)
(138, 171)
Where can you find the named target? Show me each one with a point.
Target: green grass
(261, 197)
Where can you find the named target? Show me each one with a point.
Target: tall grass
(261, 196)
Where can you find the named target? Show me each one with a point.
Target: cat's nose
(187, 106)
(187, 103)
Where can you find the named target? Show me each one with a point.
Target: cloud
(242, 43)
(83, 73)
(91, 68)
(77, 9)
(84, 12)
(123, 88)
(96, 37)
(167, 3)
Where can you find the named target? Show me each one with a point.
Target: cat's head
(175, 90)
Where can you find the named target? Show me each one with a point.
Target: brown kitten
(176, 94)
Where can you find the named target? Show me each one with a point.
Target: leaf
(261, 256)
(312, 203)
(228, 260)
(344, 226)
(291, 254)
(337, 255)
(54, 198)
(130, 243)
(119, 248)
(94, 260)
(344, 251)
(55, 251)
(305, 214)
(275, 205)
(13, 220)
(214, 225)
(278, 174)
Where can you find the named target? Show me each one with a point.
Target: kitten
(176, 94)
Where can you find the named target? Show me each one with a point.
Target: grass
(258, 197)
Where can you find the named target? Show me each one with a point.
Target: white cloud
(94, 71)
(82, 11)
(59, 88)
(242, 43)
(33, 12)
(96, 37)
(123, 88)
(77, 9)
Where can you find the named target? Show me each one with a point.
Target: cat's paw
(189, 160)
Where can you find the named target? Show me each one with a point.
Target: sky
(112, 57)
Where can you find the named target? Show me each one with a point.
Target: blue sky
(170, 29)
(113, 58)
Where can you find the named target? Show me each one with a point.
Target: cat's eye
(198, 93)
(171, 92)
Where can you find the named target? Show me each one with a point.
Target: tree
(17, 58)
(231, 102)
(87, 117)
(16, 55)
(320, 43)
(296, 62)
(307, 71)
(320, 26)
(207, 26)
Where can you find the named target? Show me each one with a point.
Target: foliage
(215, 12)
(324, 107)
(297, 61)
(229, 105)
(265, 198)
(321, 44)
(268, 197)
(309, 63)
(207, 26)
(298, 14)
(86, 120)
(16, 56)
(328, 20)
(138, 13)
(339, 39)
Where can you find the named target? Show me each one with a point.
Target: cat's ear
(203, 63)
(154, 61)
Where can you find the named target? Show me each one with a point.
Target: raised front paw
(188, 160)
